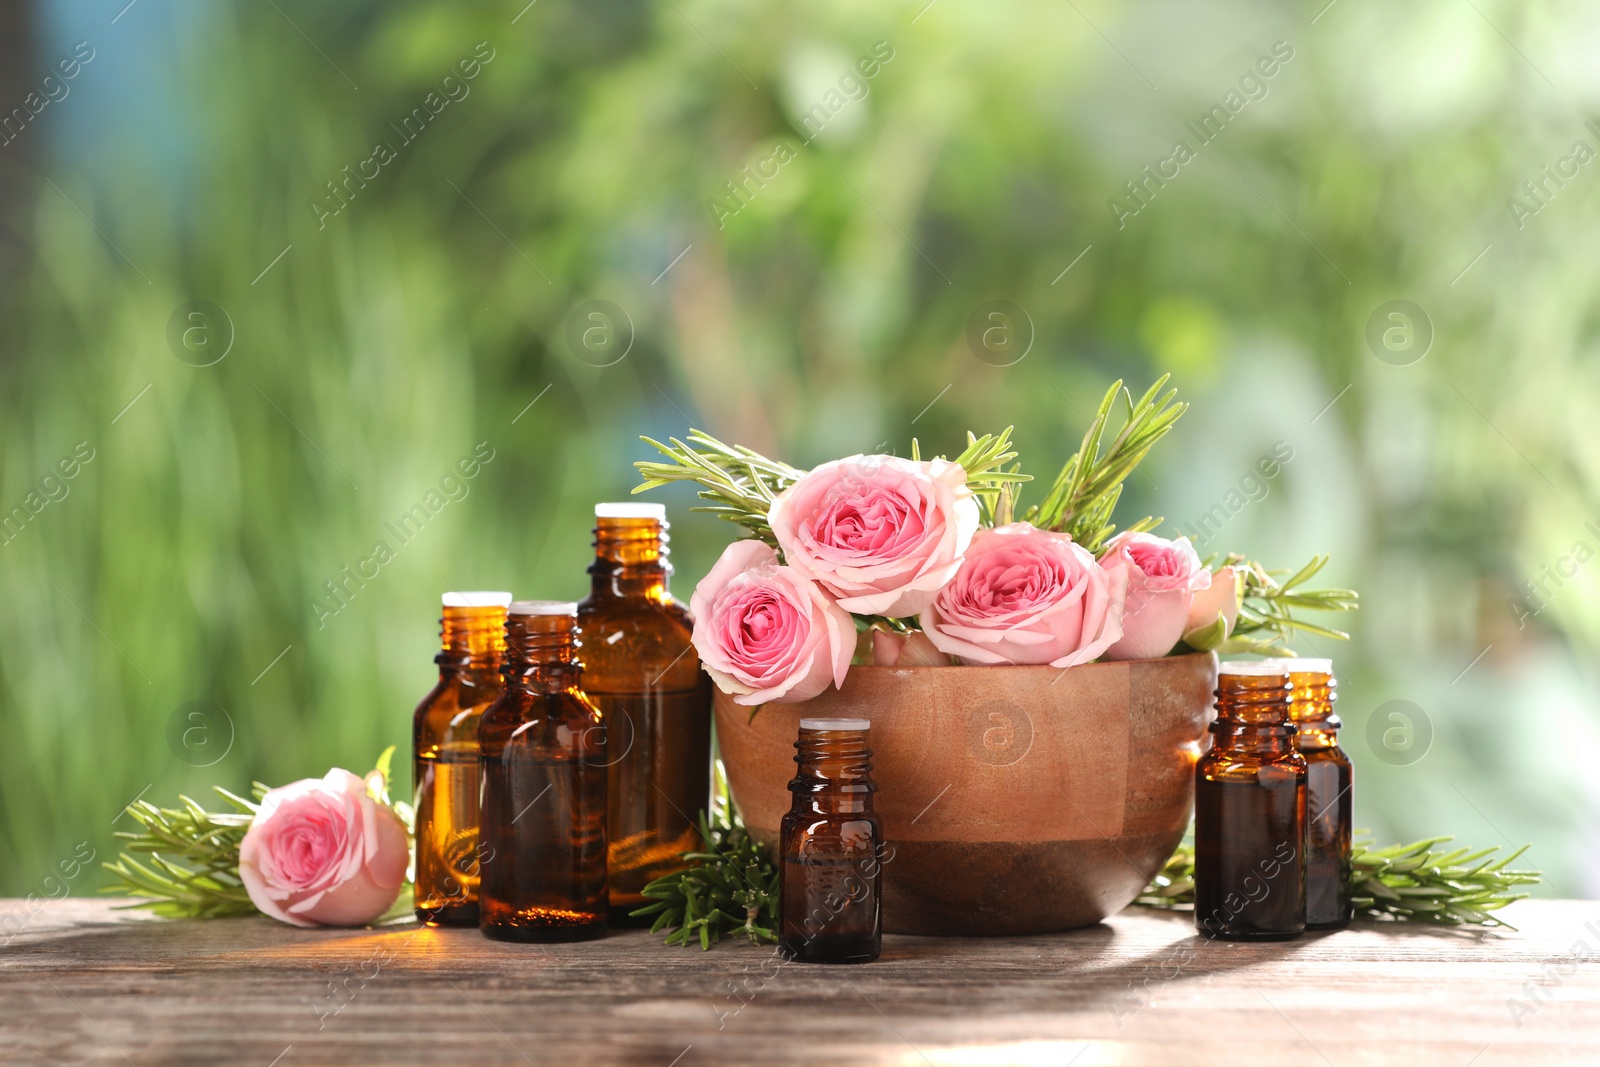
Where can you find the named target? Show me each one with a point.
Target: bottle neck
(542, 653)
(1253, 715)
(1311, 702)
(1253, 740)
(835, 773)
(1321, 735)
(471, 639)
(630, 559)
(1254, 699)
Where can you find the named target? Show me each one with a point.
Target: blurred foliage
(831, 312)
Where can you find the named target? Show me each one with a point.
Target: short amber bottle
(1250, 812)
(543, 854)
(1329, 798)
(444, 746)
(831, 849)
(641, 671)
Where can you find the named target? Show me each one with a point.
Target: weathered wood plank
(82, 984)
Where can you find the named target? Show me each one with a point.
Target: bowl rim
(970, 667)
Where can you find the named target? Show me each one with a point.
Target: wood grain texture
(81, 984)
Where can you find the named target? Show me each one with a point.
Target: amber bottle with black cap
(831, 849)
(1329, 797)
(444, 737)
(641, 671)
(543, 854)
(1250, 812)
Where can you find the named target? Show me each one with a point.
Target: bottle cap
(1303, 664)
(835, 724)
(1260, 668)
(544, 607)
(631, 511)
(476, 599)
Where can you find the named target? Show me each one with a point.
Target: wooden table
(80, 983)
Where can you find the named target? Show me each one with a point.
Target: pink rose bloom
(1162, 579)
(322, 852)
(905, 650)
(882, 534)
(1025, 595)
(765, 632)
(1220, 598)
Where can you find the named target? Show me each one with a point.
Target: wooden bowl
(1017, 800)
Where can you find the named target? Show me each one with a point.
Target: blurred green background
(799, 257)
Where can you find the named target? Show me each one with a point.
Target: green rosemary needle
(193, 865)
(729, 888)
(1405, 883)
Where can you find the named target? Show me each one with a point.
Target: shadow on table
(1085, 966)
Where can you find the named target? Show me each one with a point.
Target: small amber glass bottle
(1329, 803)
(641, 671)
(543, 853)
(444, 747)
(831, 849)
(1250, 812)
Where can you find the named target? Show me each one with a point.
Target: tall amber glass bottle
(444, 746)
(831, 851)
(1329, 803)
(543, 855)
(642, 672)
(1250, 812)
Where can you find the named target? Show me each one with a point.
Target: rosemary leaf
(1085, 492)
(729, 888)
(1268, 605)
(1404, 883)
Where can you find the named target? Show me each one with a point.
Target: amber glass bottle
(1250, 812)
(1329, 804)
(543, 855)
(642, 672)
(831, 849)
(444, 748)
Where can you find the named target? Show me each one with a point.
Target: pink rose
(1220, 599)
(882, 534)
(905, 650)
(1162, 578)
(765, 632)
(1025, 595)
(322, 852)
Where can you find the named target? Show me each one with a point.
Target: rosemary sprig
(984, 460)
(1173, 885)
(1267, 606)
(193, 869)
(1416, 884)
(1086, 491)
(731, 887)
(740, 483)
(1405, 883)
